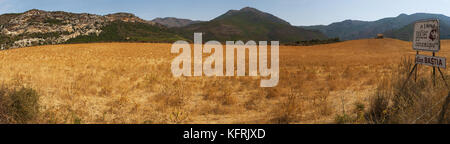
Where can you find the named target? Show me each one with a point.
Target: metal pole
(447, 100)
(443, 78)
(409, 75)
(434, 74)
(415, 75)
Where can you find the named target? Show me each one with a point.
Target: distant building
(380, 36)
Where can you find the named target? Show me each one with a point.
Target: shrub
(398, 100)
(378, 108)
(54, 21)
(289, 110)
(354, 118)
(5, 116)
(343, 119)
(19, 106)
(359, 110)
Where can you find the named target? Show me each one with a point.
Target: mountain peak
(251, 14)
(250, 9)
(34, 11)
(245, 9)
(402, 15)
(252, 24)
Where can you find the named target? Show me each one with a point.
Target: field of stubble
(133, 83)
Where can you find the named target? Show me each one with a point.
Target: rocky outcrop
(37, 27)
(126, 17)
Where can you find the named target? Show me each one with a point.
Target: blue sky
(297, 12)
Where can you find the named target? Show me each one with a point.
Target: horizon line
(219, 15)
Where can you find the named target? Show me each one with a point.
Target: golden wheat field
(133, 83)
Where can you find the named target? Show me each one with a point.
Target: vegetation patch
(19, 106)
(119, 31)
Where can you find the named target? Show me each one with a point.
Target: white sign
(426, 36)
(431, 61)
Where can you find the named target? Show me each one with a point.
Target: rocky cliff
(37, 27)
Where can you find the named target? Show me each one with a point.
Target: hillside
(354, 29)
(119, 31)
(38, 27)
(174, 22)
(406, 33)
(250, 24)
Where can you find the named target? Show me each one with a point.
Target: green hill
(250, 24)
(119, 31)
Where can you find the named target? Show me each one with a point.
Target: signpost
(426, 38)
(431, 61)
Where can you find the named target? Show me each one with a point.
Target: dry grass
(418, 101)
(132, 83)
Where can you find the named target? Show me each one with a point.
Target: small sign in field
(426, 36)
(431, 61)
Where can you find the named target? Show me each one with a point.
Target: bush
(343, 119)
(53, 21)
(416, 101)
(378, 108)
(354, 118)
(314, 42)
(288, 110)
(19, 106)
(5, 116)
